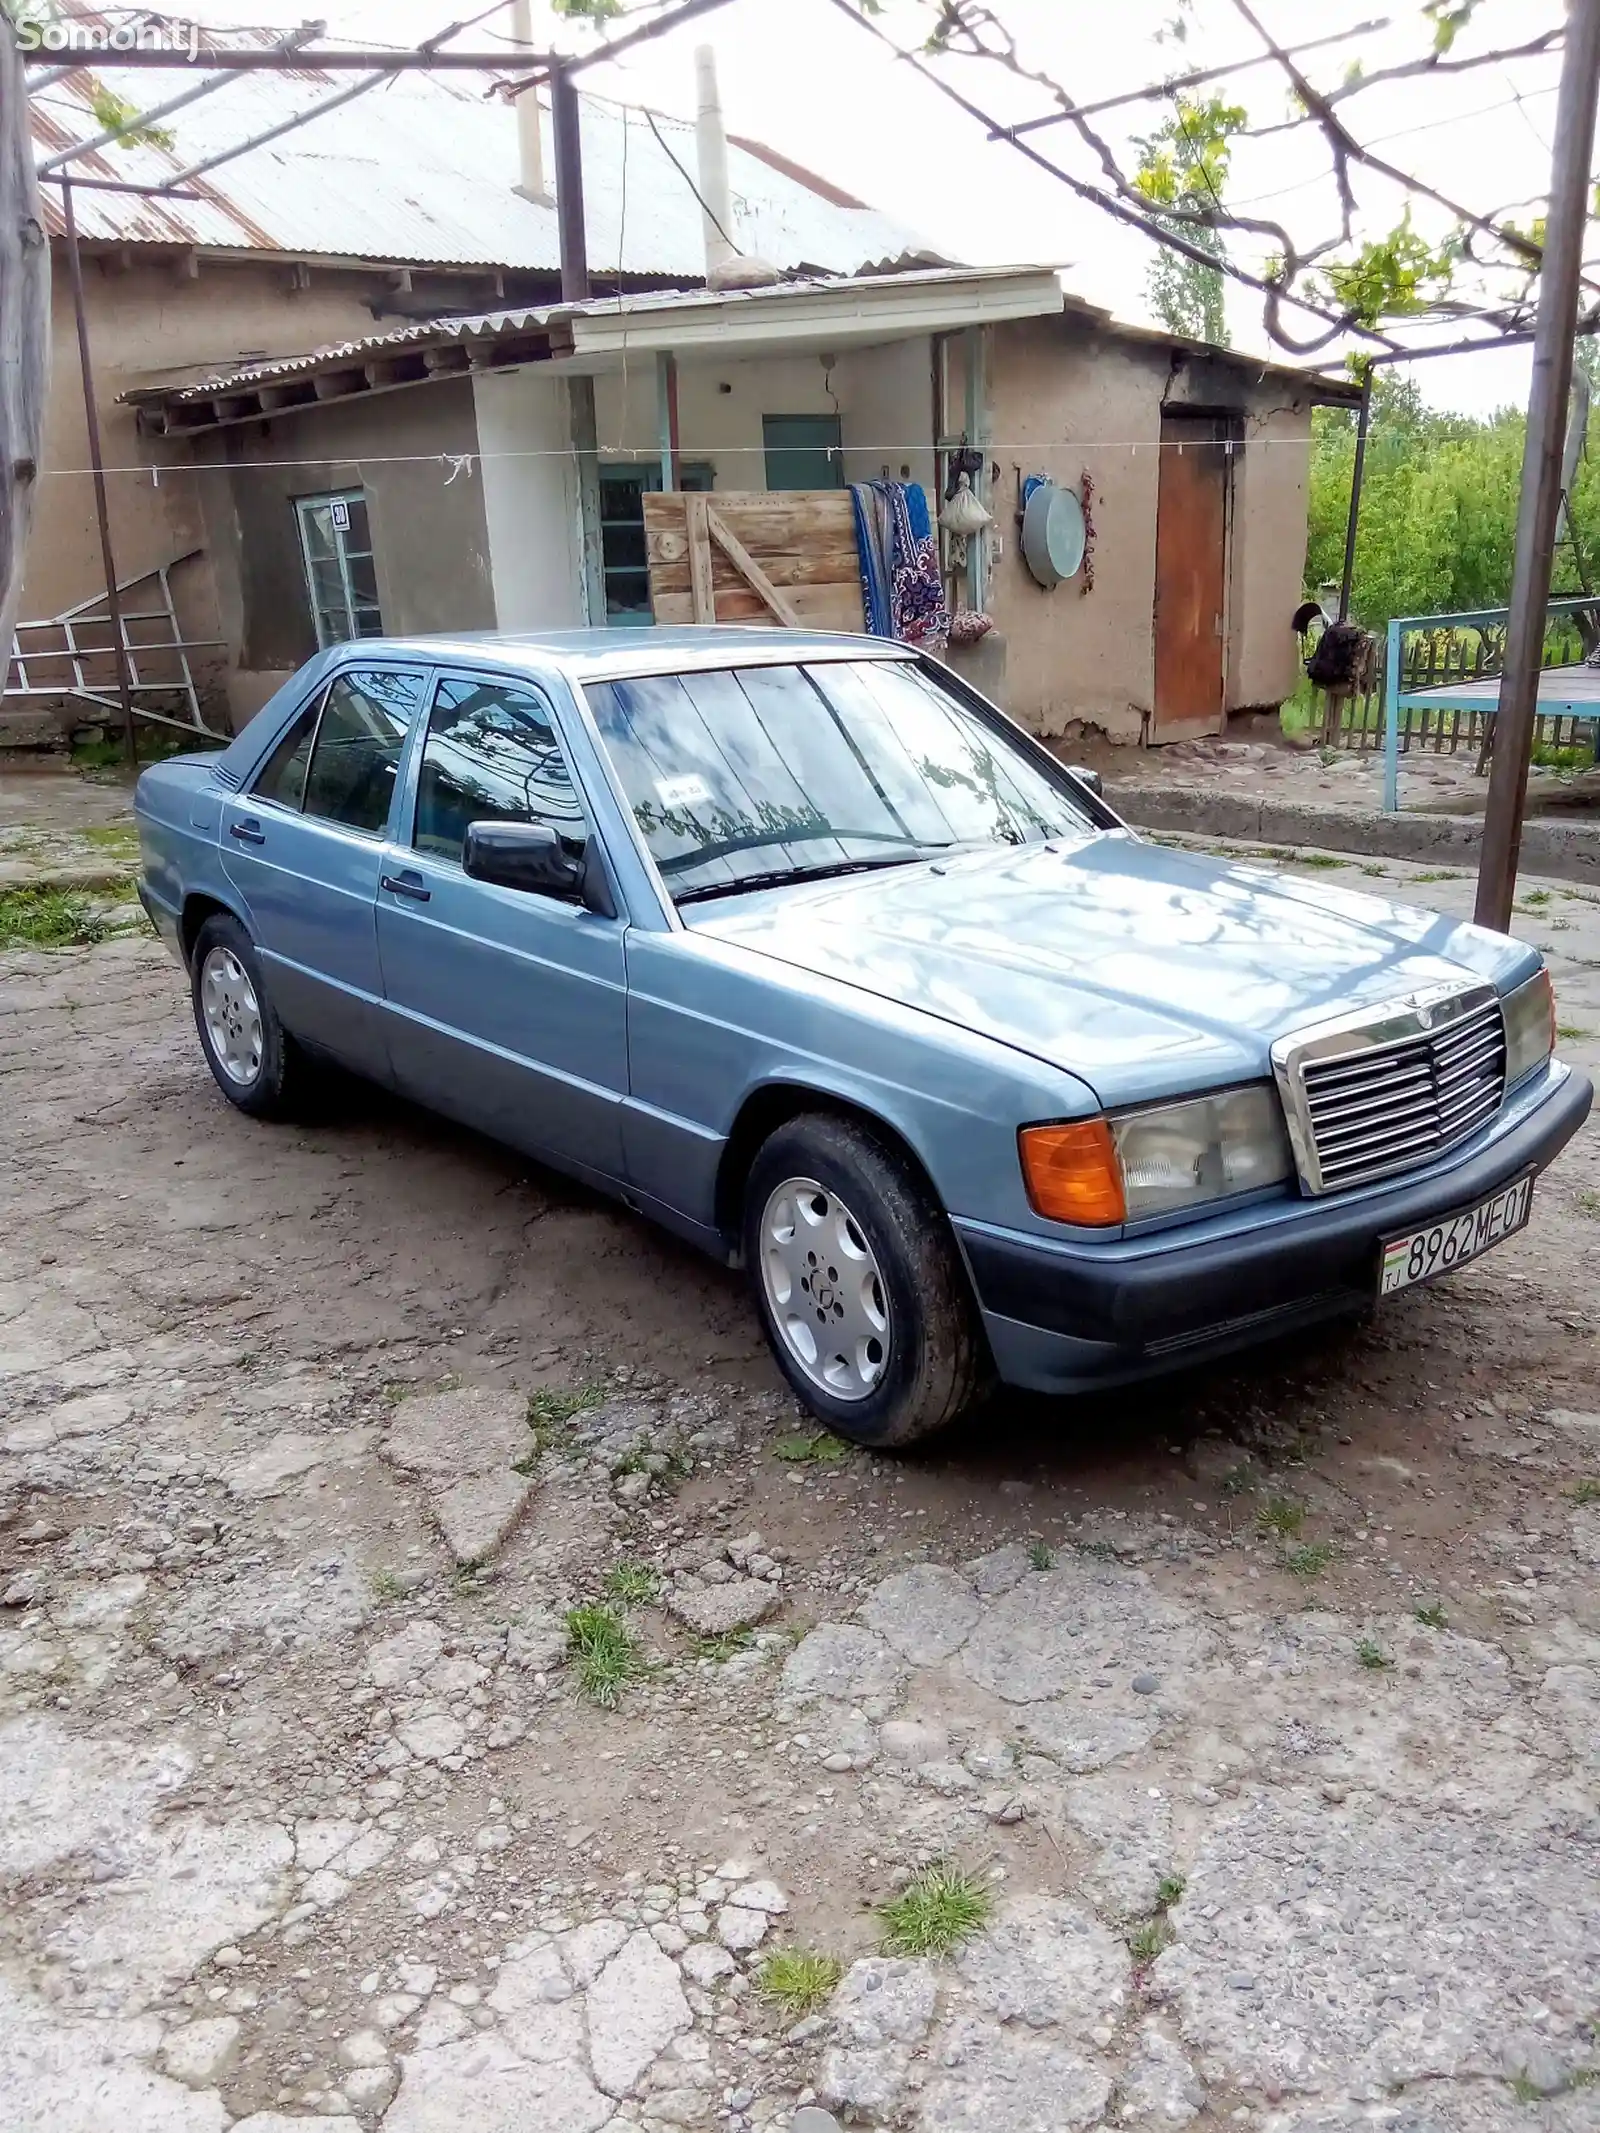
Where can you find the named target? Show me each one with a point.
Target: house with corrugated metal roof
(407, 199)
(1145, 496)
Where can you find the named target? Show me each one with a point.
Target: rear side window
(284, 778)
(366, 716)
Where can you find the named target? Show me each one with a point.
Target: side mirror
(1091, 778)
(522, 855)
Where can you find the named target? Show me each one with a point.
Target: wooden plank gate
(783, 559)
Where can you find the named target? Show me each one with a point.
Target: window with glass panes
(623, 486)
(336, 542)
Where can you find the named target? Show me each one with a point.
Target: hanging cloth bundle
(901, 590)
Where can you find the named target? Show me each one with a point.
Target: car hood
(1142, 969)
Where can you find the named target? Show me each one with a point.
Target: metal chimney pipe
(530, 145)
(711, 143)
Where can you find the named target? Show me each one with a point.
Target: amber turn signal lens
(1072, 1173)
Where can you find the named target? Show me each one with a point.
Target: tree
(1184, 165)
(1438, 506)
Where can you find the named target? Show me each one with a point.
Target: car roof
(612, 655)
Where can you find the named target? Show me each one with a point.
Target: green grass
(1310, 1560)
(811, 1448)
(1372, 1656)
(1281, 1515)
(1588, 1203)
(49, 918)
(936, 1911)
(1438, 874)
(1432, 1616)
(1147, 1939)
(719, 1649)
(1149, 1936)
(1544, 757)
(549, 1412)
(1583, 1492)
(604, 1656)
(1570, 1033)
(632, 1584)
(1320, 859)
(798, 1980)
(1535, 899)
(1040, 1557)
(119, 838)
(387, 1586)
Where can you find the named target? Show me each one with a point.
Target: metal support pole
(1391, 722)
(1540, 499)
(586, 449)
(97, 468)
(975, 351)
(667, 416)
(565, 127)
(1363, 423)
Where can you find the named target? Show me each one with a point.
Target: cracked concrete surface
(1263, 1705)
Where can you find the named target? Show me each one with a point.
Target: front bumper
(1070, 1316)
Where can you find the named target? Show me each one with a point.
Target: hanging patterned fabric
(876, 568)
(901, 589)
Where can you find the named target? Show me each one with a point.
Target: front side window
(361, 734)
(341, 573)
(492, 755)
(756, 775)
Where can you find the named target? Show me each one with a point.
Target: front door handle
(409, 885)
(248, 831)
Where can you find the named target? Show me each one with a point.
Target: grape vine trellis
(1332, 282)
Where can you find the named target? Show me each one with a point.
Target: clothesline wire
(650, 455)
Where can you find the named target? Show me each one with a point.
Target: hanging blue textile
(875, 562)
(902, 593)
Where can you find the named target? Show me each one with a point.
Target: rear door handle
(409, 885)
(248, 831)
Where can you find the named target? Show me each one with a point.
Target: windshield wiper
(777, 877)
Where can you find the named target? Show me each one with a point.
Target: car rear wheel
(861, 1292)
(255, 1062)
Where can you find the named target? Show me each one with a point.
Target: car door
(506, 1008)
(304, 847)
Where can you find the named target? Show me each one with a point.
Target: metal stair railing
(72, 651)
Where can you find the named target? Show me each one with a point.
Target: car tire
(253, 1059)
(861, 1291)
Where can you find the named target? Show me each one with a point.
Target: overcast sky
(801, 76)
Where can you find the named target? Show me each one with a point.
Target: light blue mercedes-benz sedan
(797, 945)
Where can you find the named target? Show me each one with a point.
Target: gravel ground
(1258, 1710)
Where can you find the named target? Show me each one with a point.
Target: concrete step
(30, 731)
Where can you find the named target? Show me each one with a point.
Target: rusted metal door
(1191, 576)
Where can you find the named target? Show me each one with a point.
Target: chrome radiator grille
(1385, 1092)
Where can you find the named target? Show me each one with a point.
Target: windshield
(752, 775)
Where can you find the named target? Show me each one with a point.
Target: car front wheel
(253, 1059)
(861, 1292)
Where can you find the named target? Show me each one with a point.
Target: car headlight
(1530, 1014)
(1095, 1172)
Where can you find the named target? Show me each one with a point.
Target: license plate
(1455, 1240)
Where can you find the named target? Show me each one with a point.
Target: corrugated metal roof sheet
(523, 318)
(422, 170)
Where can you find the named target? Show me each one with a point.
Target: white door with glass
(336, 543)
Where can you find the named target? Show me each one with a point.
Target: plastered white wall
(530, 500)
